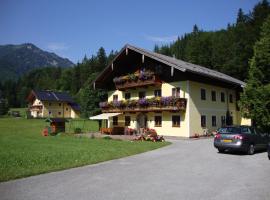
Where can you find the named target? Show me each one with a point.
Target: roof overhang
(104, 116)
(31, 96)
(143, 52)
(171, 62)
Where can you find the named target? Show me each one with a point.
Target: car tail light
(218, 136)
(238, 137)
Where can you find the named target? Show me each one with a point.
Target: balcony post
(172, 71)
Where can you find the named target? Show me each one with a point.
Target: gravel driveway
(187, 169)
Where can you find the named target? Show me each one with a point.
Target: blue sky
(74, 28)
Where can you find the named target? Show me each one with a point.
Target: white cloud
(162, 38)
(54, 46)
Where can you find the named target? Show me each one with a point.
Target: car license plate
(227, 141)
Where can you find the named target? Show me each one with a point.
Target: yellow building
(176, 98)
(43, 104)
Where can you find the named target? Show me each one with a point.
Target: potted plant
(132, 77)
(143, 102)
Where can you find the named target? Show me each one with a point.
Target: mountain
(16, 60)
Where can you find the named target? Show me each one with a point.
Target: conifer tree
(255, 101)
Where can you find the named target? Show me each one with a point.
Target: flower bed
(150, 135)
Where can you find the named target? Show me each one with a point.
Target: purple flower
(143, 102)
(166, 101)
(142, 76)
(103, 104)
(116, 104)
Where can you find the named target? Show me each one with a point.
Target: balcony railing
(138, 79)
(35, 107)
(142, 105)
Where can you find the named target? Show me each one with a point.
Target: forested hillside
(17, 60)
(228, 50)
(75, 80)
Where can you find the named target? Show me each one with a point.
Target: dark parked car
(268, 150)
(240, 138)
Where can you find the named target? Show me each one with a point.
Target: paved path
(184, 170)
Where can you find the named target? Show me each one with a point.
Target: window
(59, 113)
(203, 94)
(229, 130)
(141, 95)
(222, 97)
(223, 121)
(203, 121)
(231, 98)
(176, 92)
(115, 97)
(115, 121)
(175, 121)
(50, 104)
(245, 130)
(214, 96)
(59, 104)
(127, 96)
(214, 121)
(66, 109)
(158, 121)
(127, 120)
(157, 93)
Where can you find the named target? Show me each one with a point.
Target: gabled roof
(179, 65)
(75, 106)
(53, 96)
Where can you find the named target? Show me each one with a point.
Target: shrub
(77, 130)
(107, 138)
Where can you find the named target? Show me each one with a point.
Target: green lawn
(24, 152)
(21, 110)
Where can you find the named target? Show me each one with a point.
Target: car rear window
(245, 130)
(229, 130)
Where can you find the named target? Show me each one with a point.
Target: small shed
(57, 124)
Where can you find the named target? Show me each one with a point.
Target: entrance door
(141, 121)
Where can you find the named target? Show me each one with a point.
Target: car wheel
(269, 157)
(251, 149)
(221, 150)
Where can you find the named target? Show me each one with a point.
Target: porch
(166, 123)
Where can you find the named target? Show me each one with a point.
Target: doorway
(141, 122)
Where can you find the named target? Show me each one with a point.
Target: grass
(24, 152)
(21, 110)
(84, 124)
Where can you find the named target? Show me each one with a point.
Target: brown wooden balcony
(146, 105)
(154, 81)
(137, 79)
(35, 107)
